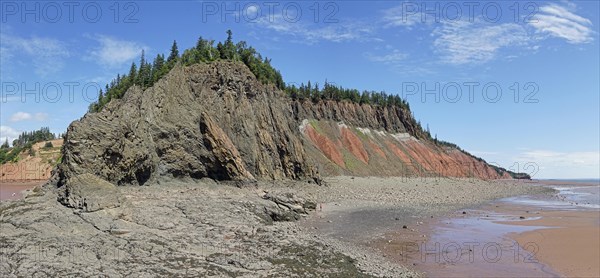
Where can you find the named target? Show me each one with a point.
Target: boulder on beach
(90, 193)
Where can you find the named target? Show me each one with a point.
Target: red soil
(409, 167)
(398, 152)
(354, 145)
(377, 149)
(32, 168)
(326, 146)
(477, 168)
(439, 163)
(422, 156)
(418, 158)
(442, 163)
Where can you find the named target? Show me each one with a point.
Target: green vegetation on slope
(205, 51)
(24, 142)
(9, 154)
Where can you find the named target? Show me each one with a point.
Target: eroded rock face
(228, 164)
(217, 121)
(214, 121)
(90, 193)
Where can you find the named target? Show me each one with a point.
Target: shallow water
(476, 245)
(567, 198)
(12, 190)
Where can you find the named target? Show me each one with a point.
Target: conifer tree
(132, 74)
(174, 56)
(157, 67)
(364, 98)
(5, 144)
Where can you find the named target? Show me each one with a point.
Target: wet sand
(473, 244)
(571, 246)
(12, 190)
(371, 213)
(527, 236)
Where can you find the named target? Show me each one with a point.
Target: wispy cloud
(5, 54)
(402, 16)
(112, 52)
(24, 116)
(392, 57)
(46, 54)
(463, 42)
(561, 22)
(314, 33)
(475, 41)
(483, 153)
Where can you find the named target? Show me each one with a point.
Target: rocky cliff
(216, 120)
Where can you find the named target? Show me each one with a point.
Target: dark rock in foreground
(196, 229)
(89, 193)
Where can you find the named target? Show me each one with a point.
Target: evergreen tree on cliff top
(174, 56)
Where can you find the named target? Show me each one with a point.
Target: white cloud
(402, 16)
(558, 21)
(474, 41)
(47, 54)
(483, 153)
(390, 58)
(7, 132)
(554, 164)
(5, 54)
(112, 52)
(24, 116)
(462, 42)
(251, 11)
(311, 34)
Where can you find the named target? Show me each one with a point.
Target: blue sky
(542, 56)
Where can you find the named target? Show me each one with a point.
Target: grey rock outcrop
(288, 207)
(214, 121)
(90, 193)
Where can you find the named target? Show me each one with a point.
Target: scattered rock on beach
(287, 206)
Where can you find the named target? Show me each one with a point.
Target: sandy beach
(571, 246)
(537, 236)
(569, 241)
